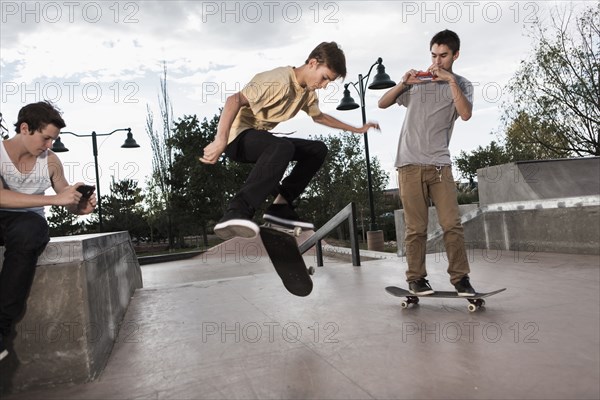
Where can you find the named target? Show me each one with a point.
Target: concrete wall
(82, 287)
(539, 180)
(533, 206)
(556, 226)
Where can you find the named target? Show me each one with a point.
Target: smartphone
(86, 191)
(424, 76)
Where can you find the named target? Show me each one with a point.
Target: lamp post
(381, 80)
(130, 143)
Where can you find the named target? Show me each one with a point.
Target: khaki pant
(417, 184)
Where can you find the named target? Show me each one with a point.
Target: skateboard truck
(296, 231)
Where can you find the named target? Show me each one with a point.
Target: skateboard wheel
(311, 270)
(472, 308)
(404, 304)
(297, 231)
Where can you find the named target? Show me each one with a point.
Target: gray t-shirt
(429, 121)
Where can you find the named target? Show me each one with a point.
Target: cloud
(212, 48)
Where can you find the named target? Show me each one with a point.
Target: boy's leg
(443, 194)
(25, 236)
(414, 195)
(271, 156)
(310, 156)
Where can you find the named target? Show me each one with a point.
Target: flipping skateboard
(296, 231)
(475, 302)
(287, 260)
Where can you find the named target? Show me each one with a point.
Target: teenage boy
(432, 104)
(245, 135)
(27, 169)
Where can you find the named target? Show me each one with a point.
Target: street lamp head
(58, 146)
(347, 102)
(381, 79)
(130, 142)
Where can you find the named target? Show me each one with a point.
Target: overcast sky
(101, 63)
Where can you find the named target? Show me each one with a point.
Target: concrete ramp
(539, 180)
(247, 338)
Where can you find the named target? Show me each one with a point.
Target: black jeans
(271, 156)
(24, 236)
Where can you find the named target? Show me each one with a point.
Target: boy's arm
(233, 104)
(11, 199)
(328, 120)
(68, 195)
(462, 104)
(391, 95)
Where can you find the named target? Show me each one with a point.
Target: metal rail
(348, 214)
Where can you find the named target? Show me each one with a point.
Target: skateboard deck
(475, 302)
(287, 260)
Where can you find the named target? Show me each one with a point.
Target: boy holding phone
(27, 168)
(434, 100)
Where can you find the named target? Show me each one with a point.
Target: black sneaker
(284, 215)
(236, 223)
(420, 287)
(3, 350)
(464, 288)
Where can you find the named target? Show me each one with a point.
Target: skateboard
(287, 260)
(475, 302)
(296, 231)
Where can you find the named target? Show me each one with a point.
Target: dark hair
(38, 115)
(330, 54)
(448, 38)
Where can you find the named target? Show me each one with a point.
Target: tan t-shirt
(274, 96)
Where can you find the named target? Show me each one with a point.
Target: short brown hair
(448, 38)
(330, 54)
(38, 115)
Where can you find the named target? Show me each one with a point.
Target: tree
(555, 93)
(520, 146)
(200, 193)
(162, 157)
(342, 179)
(123, 209)
(482, 157)
(62, 222)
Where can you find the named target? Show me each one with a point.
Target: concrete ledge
(82, 288)
(538, 180)
(566, 225)
(145, 260)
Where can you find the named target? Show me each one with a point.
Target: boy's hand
(213, 151)
(69, 196)
(86, 206)
(440, 74)
(368, 126)
(410, 78)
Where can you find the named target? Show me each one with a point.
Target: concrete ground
(222, 326)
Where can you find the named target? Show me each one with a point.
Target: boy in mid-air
(245, 134)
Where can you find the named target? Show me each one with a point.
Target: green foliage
(342, 179)
(200, 193)
(554, 105)
(482, 157)
(520, 145)
(63, 223)
(122, 209)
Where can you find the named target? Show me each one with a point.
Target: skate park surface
(222, 326)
